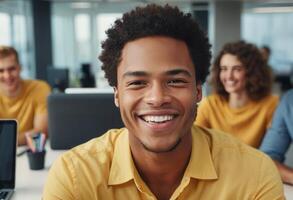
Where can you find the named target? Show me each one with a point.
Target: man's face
(9, 75)
(157, 92)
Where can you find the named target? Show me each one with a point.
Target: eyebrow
(169, 73)
(179, 71)
(135, 73)
(8, 68)
(232, 66)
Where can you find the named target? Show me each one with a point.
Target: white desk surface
(30, 183)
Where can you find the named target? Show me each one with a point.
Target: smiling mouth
(230, 82)
(157, 118)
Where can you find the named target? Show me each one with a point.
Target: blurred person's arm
(285, 172)
(40, 126)
(278, 138)
(40, 120)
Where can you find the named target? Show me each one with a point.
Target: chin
(230, 90)
(163, 148)
(11, 90)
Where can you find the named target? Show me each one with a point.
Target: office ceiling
(166, 1)
(249, 3)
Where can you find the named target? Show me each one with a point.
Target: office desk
(30, 183)
(288, 191)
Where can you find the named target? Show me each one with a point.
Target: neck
(238, 100)
(162, 172)
(15, 92)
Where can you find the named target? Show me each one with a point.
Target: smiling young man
(23, 100)
(157, 58)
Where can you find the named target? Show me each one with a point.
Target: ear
(116, 100)
(198, 92)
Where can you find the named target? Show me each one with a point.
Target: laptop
(8, 138)
(76, 118)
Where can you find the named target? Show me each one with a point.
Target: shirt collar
(200, 166)
(122, 164)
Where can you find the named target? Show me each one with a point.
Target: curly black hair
(258, 76)
(155, 20)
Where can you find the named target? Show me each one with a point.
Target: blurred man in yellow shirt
(23, 100)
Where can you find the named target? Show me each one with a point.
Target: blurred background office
(59, 41)
(65, 34)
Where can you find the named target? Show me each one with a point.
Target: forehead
(8, 61)
(155, 54)
(229, 60)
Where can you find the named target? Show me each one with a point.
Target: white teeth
(230, 82)
(158, 119)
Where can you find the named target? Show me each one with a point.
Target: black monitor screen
(8, 130)
(58, 78)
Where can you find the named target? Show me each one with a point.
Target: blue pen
(36, 139)
(41, 142)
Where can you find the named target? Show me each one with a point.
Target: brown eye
(136, 84)
(223, 68)
(11, 69)
(177, 82)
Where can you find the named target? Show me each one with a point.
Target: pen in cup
(36, 142)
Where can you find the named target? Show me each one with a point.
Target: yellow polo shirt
(220, 167)
(31, 101)
(248, 123)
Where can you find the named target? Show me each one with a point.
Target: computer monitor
(8, 140)
(77, 118)
(58, 78)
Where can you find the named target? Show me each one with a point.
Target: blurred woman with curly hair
(241, 103)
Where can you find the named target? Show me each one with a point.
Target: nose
(230, 74)
(6, 74)
(157, 95)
